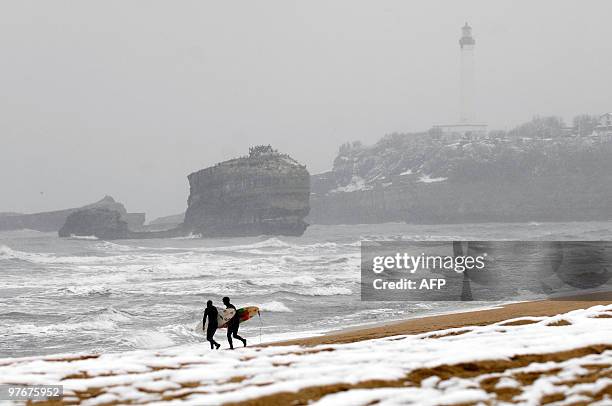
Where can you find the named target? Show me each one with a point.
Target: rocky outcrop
(426, 178)
(263, 193)
(102, 223)
(54, 220)
(108, 224)
(135, 221)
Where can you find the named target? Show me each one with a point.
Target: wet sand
(471, 318)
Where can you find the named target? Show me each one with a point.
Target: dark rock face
(421, 178)
(54, 220)
(166, 222)
(108, 224)
(99, 222)
(135, 221)
(264, 193)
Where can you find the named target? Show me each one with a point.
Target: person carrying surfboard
(212, 313)
(233, 324)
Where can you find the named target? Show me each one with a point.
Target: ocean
(72, 295)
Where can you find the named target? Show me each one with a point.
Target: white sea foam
(273, 242)
(107, 246)
(6, 252)
(113, 315)
(303, 280)
(106, 321)
(191, 236)
(87, 290)
(150, 340)
(9, 253)
(83, 237)
(326, 291)
(275, 306)
(48, 258)
(428, 179)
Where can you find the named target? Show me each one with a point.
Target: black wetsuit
(212, 313)
(232, 328)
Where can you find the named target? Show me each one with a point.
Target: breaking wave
(150, 340)
(325, 291)
(191, 236)
(7, 252)
(105, 320)
(86, 291)
(83, 237)
(279, 307)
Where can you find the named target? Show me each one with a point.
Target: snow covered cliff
(432, 178)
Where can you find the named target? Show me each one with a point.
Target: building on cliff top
(604, 127)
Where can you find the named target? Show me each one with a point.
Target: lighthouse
(467, 95)
(467, 124)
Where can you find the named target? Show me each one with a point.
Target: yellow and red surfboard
(246, 313)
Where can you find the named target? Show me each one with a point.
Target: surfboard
(244, 314)
(222, 318)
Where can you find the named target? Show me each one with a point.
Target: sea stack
(265, 192)
(97, 222)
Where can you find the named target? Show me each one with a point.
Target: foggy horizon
(127, 99)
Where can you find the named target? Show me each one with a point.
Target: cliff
(263, 193)
(54, 220)
(427, 178)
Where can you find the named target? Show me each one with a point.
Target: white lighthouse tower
(467, 124)
(468, 92)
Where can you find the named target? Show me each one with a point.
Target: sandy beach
(542, 352)
(456, 320)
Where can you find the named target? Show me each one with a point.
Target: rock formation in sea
(54, 220)
(108, 224)
(104, 223)
(265, 192)
(429, 178)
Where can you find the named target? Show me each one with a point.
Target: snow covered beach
(560, 354)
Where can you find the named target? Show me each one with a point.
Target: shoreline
(418, 324)
(476, 317)
(412, 359)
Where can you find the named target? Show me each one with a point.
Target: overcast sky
(128, 97)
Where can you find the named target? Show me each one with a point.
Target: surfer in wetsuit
(212, 313)
(233, 324)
